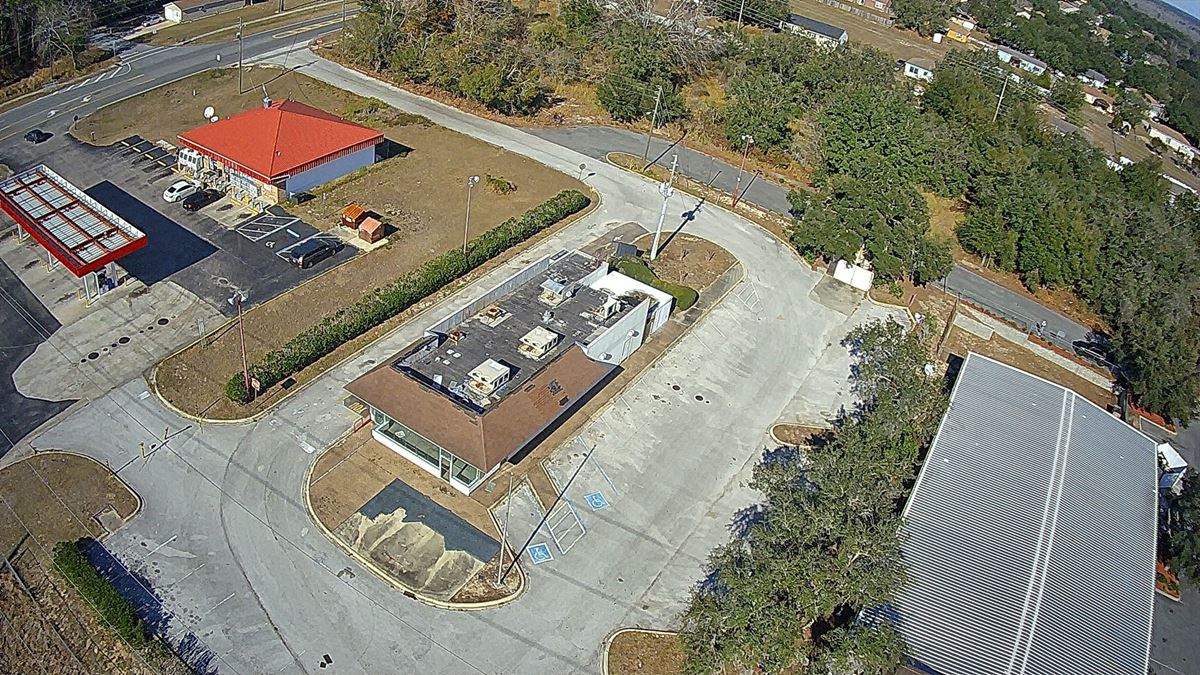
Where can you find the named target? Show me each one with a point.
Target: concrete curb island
(137, 497)
(607, 645)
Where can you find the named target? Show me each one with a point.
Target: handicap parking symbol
(539, 553)
(596, 500)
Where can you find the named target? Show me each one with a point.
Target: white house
(1172, 139)
(822, 33)
(180, 11)
(919, 69)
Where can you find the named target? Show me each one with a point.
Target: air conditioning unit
(538, 342)
(487, 377)
(493, 316)
(555, 292)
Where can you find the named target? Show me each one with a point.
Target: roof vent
(538, 342)
(487, 377)
(556, 291)
(493, 316)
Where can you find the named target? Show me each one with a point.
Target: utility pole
(281, 5)
(239, 34)
(471, 182)
(741, 10)
(737, 188)
(653, 122)
(1003, 88)
(343, 19)
(666, 189)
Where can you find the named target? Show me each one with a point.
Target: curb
(438, 298)
(406, 591)
(607, 644)
(775, 438)
(97, 462)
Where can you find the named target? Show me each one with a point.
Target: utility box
(352, 215)
(370, 230)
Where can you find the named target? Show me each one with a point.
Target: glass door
(444, 466)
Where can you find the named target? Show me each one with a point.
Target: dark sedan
(200, 199)
(310, 252)
(38, 136)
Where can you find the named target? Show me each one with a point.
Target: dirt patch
(5, 172)
(959, 342)
(635, 652)
(164, 112)
(58, 497)
(796, 434)
(48, 627)
(409, 190)
(687, 260)
(483, 587)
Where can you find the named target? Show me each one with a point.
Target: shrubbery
(70, 561)
(685, 296)
(371, 310)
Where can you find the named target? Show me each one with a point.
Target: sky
(1190, 6)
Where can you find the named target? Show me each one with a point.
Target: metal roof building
(80, 232)
(1030, 534)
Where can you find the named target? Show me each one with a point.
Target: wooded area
(1042, 206)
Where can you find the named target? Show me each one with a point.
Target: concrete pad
(117, 340)
(976, 328)
(837, 296)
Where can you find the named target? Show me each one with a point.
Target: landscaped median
(372, 310)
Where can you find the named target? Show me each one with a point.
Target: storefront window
(411, 440)
(464, 473)
(437, 459)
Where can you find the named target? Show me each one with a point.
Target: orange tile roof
(280, 140)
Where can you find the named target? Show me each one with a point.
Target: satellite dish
(214, 118)
(209, 112)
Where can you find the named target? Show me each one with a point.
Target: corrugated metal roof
(1030, 534)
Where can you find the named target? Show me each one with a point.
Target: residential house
(1172, 139)
(919, 69)
(1094, 78)
(1023, 61)
(1098, 98)
(830, 37)
(180, 11)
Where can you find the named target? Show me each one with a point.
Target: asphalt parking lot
(191, 249)
(27, 324)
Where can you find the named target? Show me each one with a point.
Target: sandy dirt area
(687, 260)
(636, 652)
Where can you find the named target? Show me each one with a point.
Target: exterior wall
(620, 284)
(1182, 148)
(171, 12)
(420, 462)
(319, 175)
(917, 72)
(623, 338)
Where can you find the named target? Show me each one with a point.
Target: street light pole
(237, 300)
(740, 11)
(737, 188)
(666, 189)
(471, 182)
(241, 89)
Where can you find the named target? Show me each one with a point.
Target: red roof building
(287, 145)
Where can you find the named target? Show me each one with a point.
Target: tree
(1181, 530)
(1130, 110)
(1068, 95)
(580, 16)
(924, 16)
(785, 591)
(762, 12)
(762, 108)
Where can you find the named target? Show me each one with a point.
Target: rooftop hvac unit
(538, 342)
(555, 292)
(493, 316)
(487, 377)
(605, 311)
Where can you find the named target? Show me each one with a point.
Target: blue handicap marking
(540, 553)
(596, 500)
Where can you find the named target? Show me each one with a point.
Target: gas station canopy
(77, 230)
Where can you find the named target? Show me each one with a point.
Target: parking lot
(211, 253)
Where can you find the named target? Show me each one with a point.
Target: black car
(38, 136)
(200, 199)
(1094, 351)
(313, 251)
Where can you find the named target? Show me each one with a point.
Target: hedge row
(685, 296)
(72, 563)
(384, 303)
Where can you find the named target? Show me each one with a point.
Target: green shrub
(685, 296)
(99, 592)
(499, 184)
(347, 323)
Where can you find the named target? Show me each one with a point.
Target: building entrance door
(444, 466)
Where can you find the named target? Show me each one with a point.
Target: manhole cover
(675, 387)
(699, 397)
(124, 339)
(164, 321)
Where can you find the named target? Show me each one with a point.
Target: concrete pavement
(239, 562)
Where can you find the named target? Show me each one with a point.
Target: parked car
(1093, 351)
(179, 190)
(200, 199)
(309, 253)
(38, 136)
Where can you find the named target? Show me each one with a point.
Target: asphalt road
(597, 142)
(26, 324)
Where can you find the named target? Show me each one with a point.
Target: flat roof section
(1030, 535)
(80, 232)
(496, 333)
